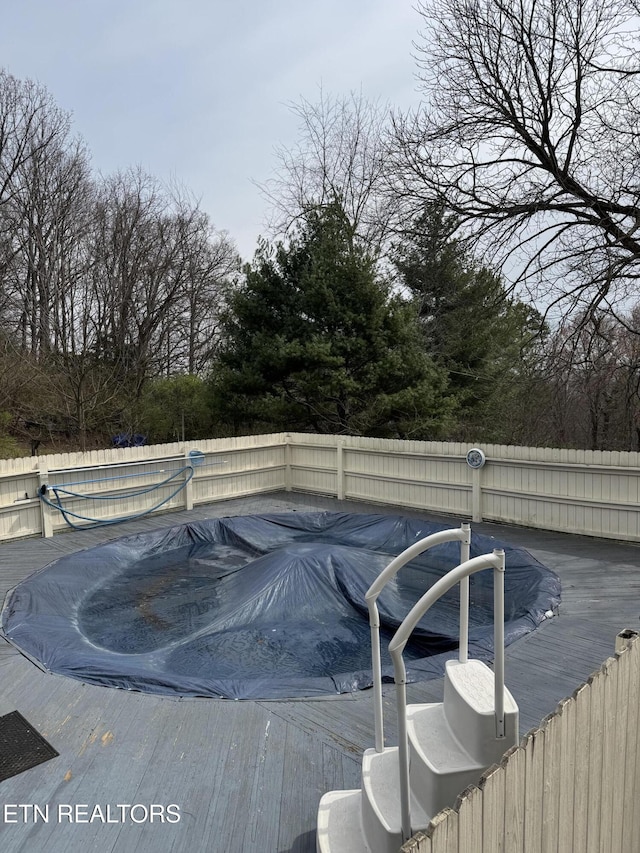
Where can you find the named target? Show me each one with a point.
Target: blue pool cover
(263, 606)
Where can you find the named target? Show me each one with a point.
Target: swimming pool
(264, 606)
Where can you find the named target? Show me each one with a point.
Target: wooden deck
(248, 775)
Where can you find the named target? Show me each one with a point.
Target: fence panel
(533, 791)
(596, 731)
(567, 778)
(107, 485)
(630, 697)
(581, 792)
(469, 807)
(569, 786)
(514, 801)
(574, 491)
(314, 466)
(596, 493)
(493, 806)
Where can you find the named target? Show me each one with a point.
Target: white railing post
(396, 649)
(400, 679)
(463, 534)
(498, 641)
(376, 669)
(463, 653)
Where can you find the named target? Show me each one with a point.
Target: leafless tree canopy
(528, 143)
(531, 133)
(105, 283)
(339, 159)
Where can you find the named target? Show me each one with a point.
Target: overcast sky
(197, 90)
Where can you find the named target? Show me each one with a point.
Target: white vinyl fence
(573, 784)
(589, 492)
(125, 482)
(580, 491)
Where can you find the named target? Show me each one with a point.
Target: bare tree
(339, 159)
(103, 284)
(46, 201)
(47, 218)
(159, 269)
(531, 134)
(589, 393)
(29, 122)
(40, 170)
(189, 334)
(628, 353)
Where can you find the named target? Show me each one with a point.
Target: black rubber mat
(21, 746)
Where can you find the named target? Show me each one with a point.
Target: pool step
(451, 744)
(381, 802)
(339, 825)
(469, 695)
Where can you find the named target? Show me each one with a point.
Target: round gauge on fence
(475, 458)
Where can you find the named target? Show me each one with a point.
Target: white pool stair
(443, 747)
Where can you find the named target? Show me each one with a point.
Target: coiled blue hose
(61, 492)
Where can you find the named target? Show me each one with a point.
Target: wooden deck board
(248, 775)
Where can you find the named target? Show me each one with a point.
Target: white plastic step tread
(339, 828)
(440, 766)
(381, 818)
(474, 681)
(469, 697)
(434, 742)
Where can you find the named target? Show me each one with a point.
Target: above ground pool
(262, 606)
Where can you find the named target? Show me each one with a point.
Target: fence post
(45, 509)
(340, 469)
(476, 459)
(625, 639)
(287, 462)
(188, 489)
(476, 495)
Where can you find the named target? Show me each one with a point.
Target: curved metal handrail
(463, 534)
(397, 645)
